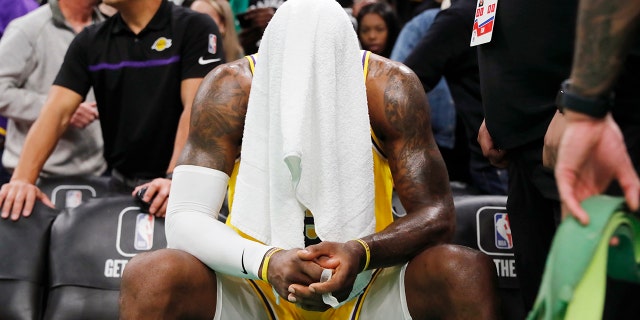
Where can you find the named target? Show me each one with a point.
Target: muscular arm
(218, 118)
(214, 143)
(603, 36)
(400, 118)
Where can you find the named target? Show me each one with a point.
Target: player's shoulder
(239, 67)
(380, 66)
(230, 74)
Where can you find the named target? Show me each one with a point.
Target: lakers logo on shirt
(161, 43)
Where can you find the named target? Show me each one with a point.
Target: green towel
(574, 280)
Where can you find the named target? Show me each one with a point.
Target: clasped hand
(295, 274)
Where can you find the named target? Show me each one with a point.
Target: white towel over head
(306, 142)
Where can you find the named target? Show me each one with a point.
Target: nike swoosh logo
(204, 61)
(241, 260)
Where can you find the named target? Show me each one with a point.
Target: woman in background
(220, 12)
(378, 28)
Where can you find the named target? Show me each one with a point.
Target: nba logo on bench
(503, 231)
(144, 232)
(137, 232)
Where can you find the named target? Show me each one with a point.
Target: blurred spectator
(378, 28)
(33, 49)
(444, 51)
(358, 4)
(9, 10)
(253, 17)
(220, 12)
(145, 64)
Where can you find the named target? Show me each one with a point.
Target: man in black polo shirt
(145, 64)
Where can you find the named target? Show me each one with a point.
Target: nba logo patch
(73, 198)
(502, 231)
(144, 232)
(213, 46)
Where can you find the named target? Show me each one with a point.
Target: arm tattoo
(416, 157)
(603, 36)
(217, 121)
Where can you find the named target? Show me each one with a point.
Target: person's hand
(496, 156)
(287, 273)
(346, 259)
(18, 198)
(86, 113)
(592, 153)
(552, 140)
(157, 195)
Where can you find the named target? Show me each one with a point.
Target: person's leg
(534, 214)
(452, 282)
(167, 284)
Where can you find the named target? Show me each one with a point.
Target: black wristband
(169, 176)
(594, 107)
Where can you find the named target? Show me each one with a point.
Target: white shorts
(384, 298)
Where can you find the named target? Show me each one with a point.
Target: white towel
(307, 142)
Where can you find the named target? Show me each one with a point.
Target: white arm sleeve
(191, 224)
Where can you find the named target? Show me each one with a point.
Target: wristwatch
(594, 107)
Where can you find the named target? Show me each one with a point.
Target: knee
(452, 280)
(150, 276)
(167, 283)
(454, 264)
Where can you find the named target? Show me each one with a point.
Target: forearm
(197, 193)
(603, 36)
(408, 236)
(180, 141)
(188, 89)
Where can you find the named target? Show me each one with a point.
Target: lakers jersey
(383, 181)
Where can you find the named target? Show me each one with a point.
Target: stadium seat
(69, 192)
(482, 223)
(24, 246)
(90, 247)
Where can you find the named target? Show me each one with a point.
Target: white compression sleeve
(191, 225)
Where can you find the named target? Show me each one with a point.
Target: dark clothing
(534, 214)
(137, 82)
(521, 69)
(445, 51)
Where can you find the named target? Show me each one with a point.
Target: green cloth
(574, 280)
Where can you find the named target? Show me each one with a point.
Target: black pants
(534, 214)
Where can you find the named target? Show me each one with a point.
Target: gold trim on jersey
(279, 308)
